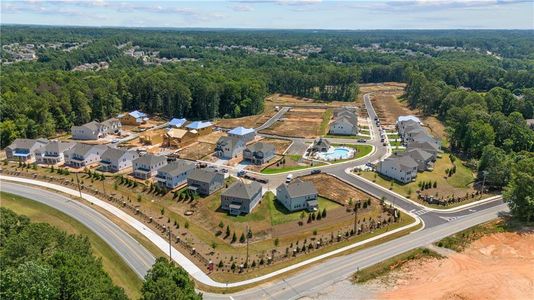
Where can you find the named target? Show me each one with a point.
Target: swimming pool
(336, 153)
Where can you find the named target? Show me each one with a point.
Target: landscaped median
(345, 243)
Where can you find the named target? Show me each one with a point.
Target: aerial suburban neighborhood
(182, 150)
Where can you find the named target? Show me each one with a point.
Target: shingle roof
(26, 143)
(203, 175)
(198, 125)
(82, 149)
(229, 141)
(58, 146)
(114, 153)
(110, 122)
(178, 167)
(321, 142)
(264, 147)
(406, 118)
(177, 122)
(423, 145)
(299, 188)
(403, 162)
(242, 190)
(241, 131)
(150, 159)
(418, 154)
(93, 125)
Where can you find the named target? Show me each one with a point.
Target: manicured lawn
(393, 136)
(361, 151)
(120, 272)
(284, 169)
(259, 213)
(394, 143)
(458, 184)
(280, 215)
(391, 264)
(352, 137)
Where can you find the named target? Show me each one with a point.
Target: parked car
(241, 173)
(289, 178)
(316, 171)
(361, 141)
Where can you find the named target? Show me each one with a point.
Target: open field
(332, 188)
(459, 184)
(298, 122)
(248, 122)
(120, 272)
(196, 151)
(496, 266)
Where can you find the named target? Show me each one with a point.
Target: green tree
(166, 281)
(519, 193)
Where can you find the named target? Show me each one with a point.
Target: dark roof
(264, 147)
(203, 175)
(178, 167)
(242, 190)
(321, 142)
(229, 141)
(404, 162)
(426, 145)
(298, 188)
(418, 154)
(150, 159)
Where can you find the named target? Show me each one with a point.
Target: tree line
(39, 261)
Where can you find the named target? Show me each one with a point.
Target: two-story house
(241, 198)
(297, 195)
(134, 118)
(229, 147)
(175, 173)
(82, 155)
(205, 181)
(246, 134)
(53, 153)
(115, 160)
(147, 166)
(24, 149)
(400, 168)
(179, 138)
(200, 127)
(259, 153)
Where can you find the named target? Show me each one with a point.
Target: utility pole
(355, 219)
(170, 247)
(484, 173)
(247, 246)
(79, 187)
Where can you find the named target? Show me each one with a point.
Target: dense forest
(39, 261)
(206, 74)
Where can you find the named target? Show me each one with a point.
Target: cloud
(242, 7)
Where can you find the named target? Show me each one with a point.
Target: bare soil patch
(196, 151)
(249, 121)
(332, 188)
(497, 266)
(298, 122)
(211, 138)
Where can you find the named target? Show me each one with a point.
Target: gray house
(53, 153)
(95, 130)
(321, 145)
(175, 173)
(422, 158)
(145, 167)
(114, 159)
(259, 153)
(430, 147)
(401, 168)
(241, 198)
(297, 195)
(229, 146)
(24, 149)
(205, 181)
(246, 134)
(82, 155)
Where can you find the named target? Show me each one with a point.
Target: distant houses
(115, 160)
(246, 134)
(83, 155)
(345, 121)
(178, 138)
(95, 130)
(200, 127)
(204, 181)
(147, 166)
(259, 153)
(297, 195)
(134, 118)
(229, 147)
(175, 173)
(24, 149)
(241, 198)
(53, 153)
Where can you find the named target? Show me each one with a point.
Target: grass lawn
(120, 272)
(462, 239)
(352, 137)
(458, 184)
(391, 264)
(393, 136)
(361, 151)
(293, 157)
(259, 213)
(280, 215)
(394, 143)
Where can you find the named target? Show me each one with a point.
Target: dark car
(316, 171)
(361, 141)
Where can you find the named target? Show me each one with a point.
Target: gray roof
(242, 190)
(264, 147)
(229, 141)
(418, 154)
(299, 188)
(404, 162)
(407, 123)
(178, 167)
(426, 145)
(115, 153)
(321, 142)
(346, 119)
(414, 129)
(203, 175)
(109, 122)
(93, 125)
(58, 146)
(150, 159)
(82, 149)
(339, 110)
(26, 143)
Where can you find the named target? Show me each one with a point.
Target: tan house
(179, 138)
(133, 118)
(200, 127)
(152, 137)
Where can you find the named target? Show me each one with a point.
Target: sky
(277, 14)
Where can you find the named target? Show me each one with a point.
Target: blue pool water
(336, 153)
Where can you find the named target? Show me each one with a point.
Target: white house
(400, 168)
(344, 126)
(175, 173)
(246, 134)
(114, 159)
(297, 195)
(147, 166)
(82, 155)
(229, 147)
(24, 149)
(53, 153)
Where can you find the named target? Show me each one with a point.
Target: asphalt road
(131, 251)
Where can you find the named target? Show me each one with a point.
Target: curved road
(131, 251)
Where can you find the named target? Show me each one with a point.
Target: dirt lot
(333, 188)
(298, 122)
(211, 138)
(196, 151)
(279, 145)
(249, 121)
(389, 108)
(498, 266)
